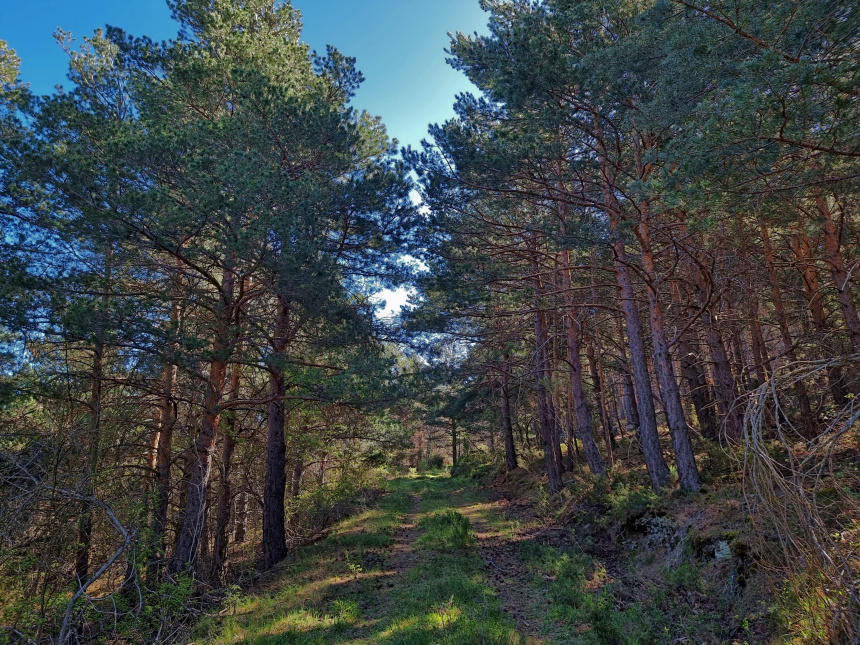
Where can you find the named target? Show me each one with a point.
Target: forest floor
(445, 560)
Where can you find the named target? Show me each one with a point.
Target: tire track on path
(499, 549)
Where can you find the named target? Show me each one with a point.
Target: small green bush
(433, 462)
(446, 529)
(475, 465)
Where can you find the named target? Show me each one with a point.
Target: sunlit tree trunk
(685, 459)
(191, 529)
(649, 438)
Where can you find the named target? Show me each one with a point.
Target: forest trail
(438, 560)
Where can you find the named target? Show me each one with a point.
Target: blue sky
(399, 45)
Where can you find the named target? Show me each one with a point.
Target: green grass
(446, 529)
(345, 589)
(589, 607)
(369, 583)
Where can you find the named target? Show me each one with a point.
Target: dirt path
(402, 552)
(499, 547)
(388, 577)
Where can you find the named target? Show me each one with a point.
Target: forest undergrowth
(488, 557)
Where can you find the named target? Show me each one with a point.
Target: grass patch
(349, 587)
(447, 600)
(446, 529)
(583, 600)
(678, 605)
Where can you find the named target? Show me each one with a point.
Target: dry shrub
(802, 496)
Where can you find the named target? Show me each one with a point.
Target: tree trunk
(604, 398)
(759, 349)
(190, 532)
(296, 480)
(658, 471)
(739, 355)
(724, 381)
(577, 391)
(841, 277)
(507, 425)
(222, 515)
(85, 522)
(699, 391)
(811, 286)
(191, 529)
(649, 438)
(164, 452)
(240, 521)
(274, 512)
(453, 443)
(545, 419)
(800, 392)
(685, 459)
(555, 425)
(572, 448)
(591, 352)
(760, 354)
(631, 411)
(555, 411)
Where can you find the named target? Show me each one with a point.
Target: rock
(722, 551)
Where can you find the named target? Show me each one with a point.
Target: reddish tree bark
(545, 420)
(577, 391)
(225, 485)
(841, 278)
(685, 459)
(800, 392)
(191, 529)
(812, 288)
(649, 438)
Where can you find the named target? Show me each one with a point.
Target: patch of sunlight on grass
(247, 606)
(406, 624)
(445, 615)
(358, 521)
(302, 620)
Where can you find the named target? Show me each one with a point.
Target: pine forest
(621, 405)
